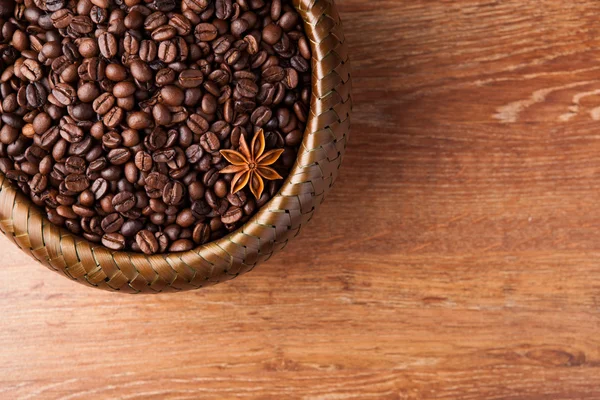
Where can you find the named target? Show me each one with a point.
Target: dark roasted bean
(103, 103)
(118, 156)
(71, 133)
(36, 94)
(210, 142)
(75, 165)
(232, 215)
(123, 201)
(112, 223)
(191, 78)
(108, 45)
(143, 161)
(181, 245)
(76, 182)
(31, 70)
(131, 228)
(114, 241)
(197, 124)
(147, 242)
(205, 32)
(173, 193)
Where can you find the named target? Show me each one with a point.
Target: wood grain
(457, 258)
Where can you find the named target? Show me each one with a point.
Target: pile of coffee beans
(113, 112)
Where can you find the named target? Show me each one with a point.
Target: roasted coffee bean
(88, 92)
(194, 153)
(55, 5)
(115, 72)
(201, 208)
(163, 32)
(185, 218)
(139, 120)
(143, 161)
(232, 215)
(223, 9)
(205, 32)
(191, 78)
(201, 233)
(113, 117)
(76, 182)
(38, 183)
(75, 165)
(237, 199)
(182, 25)
(155, 20)
(173, 231)
(131, 172)
(181, 244)
(220, 187)
(172, 95)
(141, 71)
(210, 177)
(81, 25)
(299, 64)
(155, 183)
(261, 116)
(64, 93)
(119, 156)
(173, 193)
(131, 228)
(103, 103)
(82, 147)
(273, 74)
(82, 210)
(35, 154)
(239, 27)
(62, 18)
(272, 33)
(196, 190)
(157, 139)
(114, 241)
(71, 133)
(123, 201)
(165, 76)
(147, 242)
(163, 241)
(31, 70)
(86, 198)
(197, 124)
(233, 56)
(161, 114)
(36, 95)
(66, 212)
(196, 5)
(164, 156)
(124, 89)
(210, 142)
(112, 223)
(108, 45)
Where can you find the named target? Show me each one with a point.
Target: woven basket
(267, 232)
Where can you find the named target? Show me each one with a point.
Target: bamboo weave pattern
(268, 231)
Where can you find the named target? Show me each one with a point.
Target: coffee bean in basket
(152, 126)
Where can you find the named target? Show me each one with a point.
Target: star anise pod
(250, 165)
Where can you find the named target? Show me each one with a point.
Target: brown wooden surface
(457, 257)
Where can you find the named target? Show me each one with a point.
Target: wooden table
(457, 258)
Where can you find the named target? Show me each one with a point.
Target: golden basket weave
(268, 231)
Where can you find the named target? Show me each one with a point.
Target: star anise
(251, 165)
